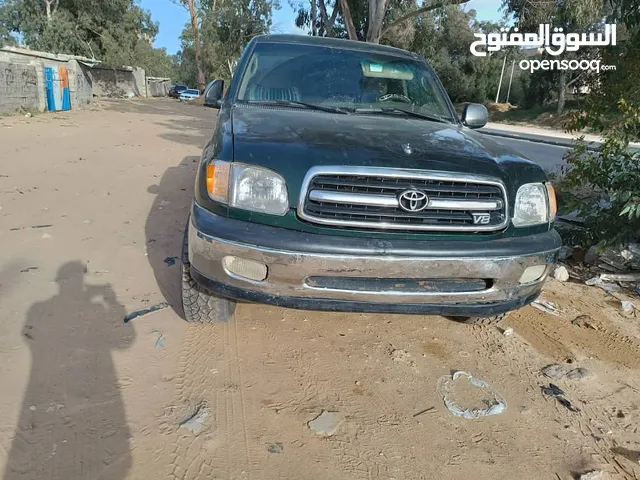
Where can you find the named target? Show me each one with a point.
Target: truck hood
(290, 141)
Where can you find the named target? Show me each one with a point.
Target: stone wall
(118, 82)
(18, 87)
(158, 87)
(80, 85)
(23, 83)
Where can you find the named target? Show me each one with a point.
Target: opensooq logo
(554, 43)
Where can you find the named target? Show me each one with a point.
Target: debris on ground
(610, 288)
(54, 407)
(170, 261)
(591, 256)
(28, 269)
(402, 356)
(327, 423)
(628, 307)
(577, 373)
(194, 423)
(558, 371)
(584, 321)
(159, 338)
(592, 475)
(554, 371)
(546, 306)
(561, 274)
(633, 455)
(620, 277)
(565, 253)
(557, 393)
(486, 401)
(507, 332)
(277, 447)
(26, 331)
(426, 410)
(145, 311)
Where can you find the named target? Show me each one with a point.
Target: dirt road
(93, 206)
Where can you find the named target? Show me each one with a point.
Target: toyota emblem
(413, 200)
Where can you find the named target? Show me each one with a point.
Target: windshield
(192, 92)
(356, 80)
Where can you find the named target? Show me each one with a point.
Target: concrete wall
(23, 84)
(118, 82)
(158, 87)
(80, 85)
(18, 87)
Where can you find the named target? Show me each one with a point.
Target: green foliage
(612, 107)
(225, 29)
(612, 174)
(117, 32)
(443, 37)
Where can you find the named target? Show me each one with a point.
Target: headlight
(247, 187)
(535, 204)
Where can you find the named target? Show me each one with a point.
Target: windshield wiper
(294, 103)
(395, 110)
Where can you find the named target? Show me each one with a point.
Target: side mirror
(213, 94)
(475, 115)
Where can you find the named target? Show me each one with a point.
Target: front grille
(393, 199)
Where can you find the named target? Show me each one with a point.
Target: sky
(172, 19)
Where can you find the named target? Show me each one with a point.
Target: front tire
(485, 321)
(198, 304)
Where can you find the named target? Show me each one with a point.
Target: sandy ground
(93, 202)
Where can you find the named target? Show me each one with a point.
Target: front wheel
(198, 304)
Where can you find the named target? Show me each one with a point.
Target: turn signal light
(218, 180)
(553, 202)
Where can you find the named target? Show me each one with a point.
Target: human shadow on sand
(165, 226)
(72, 423)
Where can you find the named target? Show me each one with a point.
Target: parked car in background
(176, 90)
(190, 94)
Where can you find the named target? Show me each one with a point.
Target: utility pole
(513, 65)
(501, 74)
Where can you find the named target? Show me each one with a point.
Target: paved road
(549, 157)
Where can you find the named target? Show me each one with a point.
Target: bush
(609, 179)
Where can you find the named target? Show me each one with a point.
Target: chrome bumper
(289, 272)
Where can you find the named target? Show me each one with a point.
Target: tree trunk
(419, 11)
(314, 16)
(348, 21)
(376, 17)
(47, 6)
(193, 13)
(328, 23)
(562, 91)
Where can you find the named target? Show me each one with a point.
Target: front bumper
(319, 272)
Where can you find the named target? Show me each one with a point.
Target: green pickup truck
(340, 178)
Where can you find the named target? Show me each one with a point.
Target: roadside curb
(556, 141)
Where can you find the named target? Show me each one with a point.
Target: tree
(612, 107)
(369, 21)
(105, 29)
(225, 27)
(443, 37)
(572, 16)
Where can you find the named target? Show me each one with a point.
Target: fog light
(531, 274)
(242, 267)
